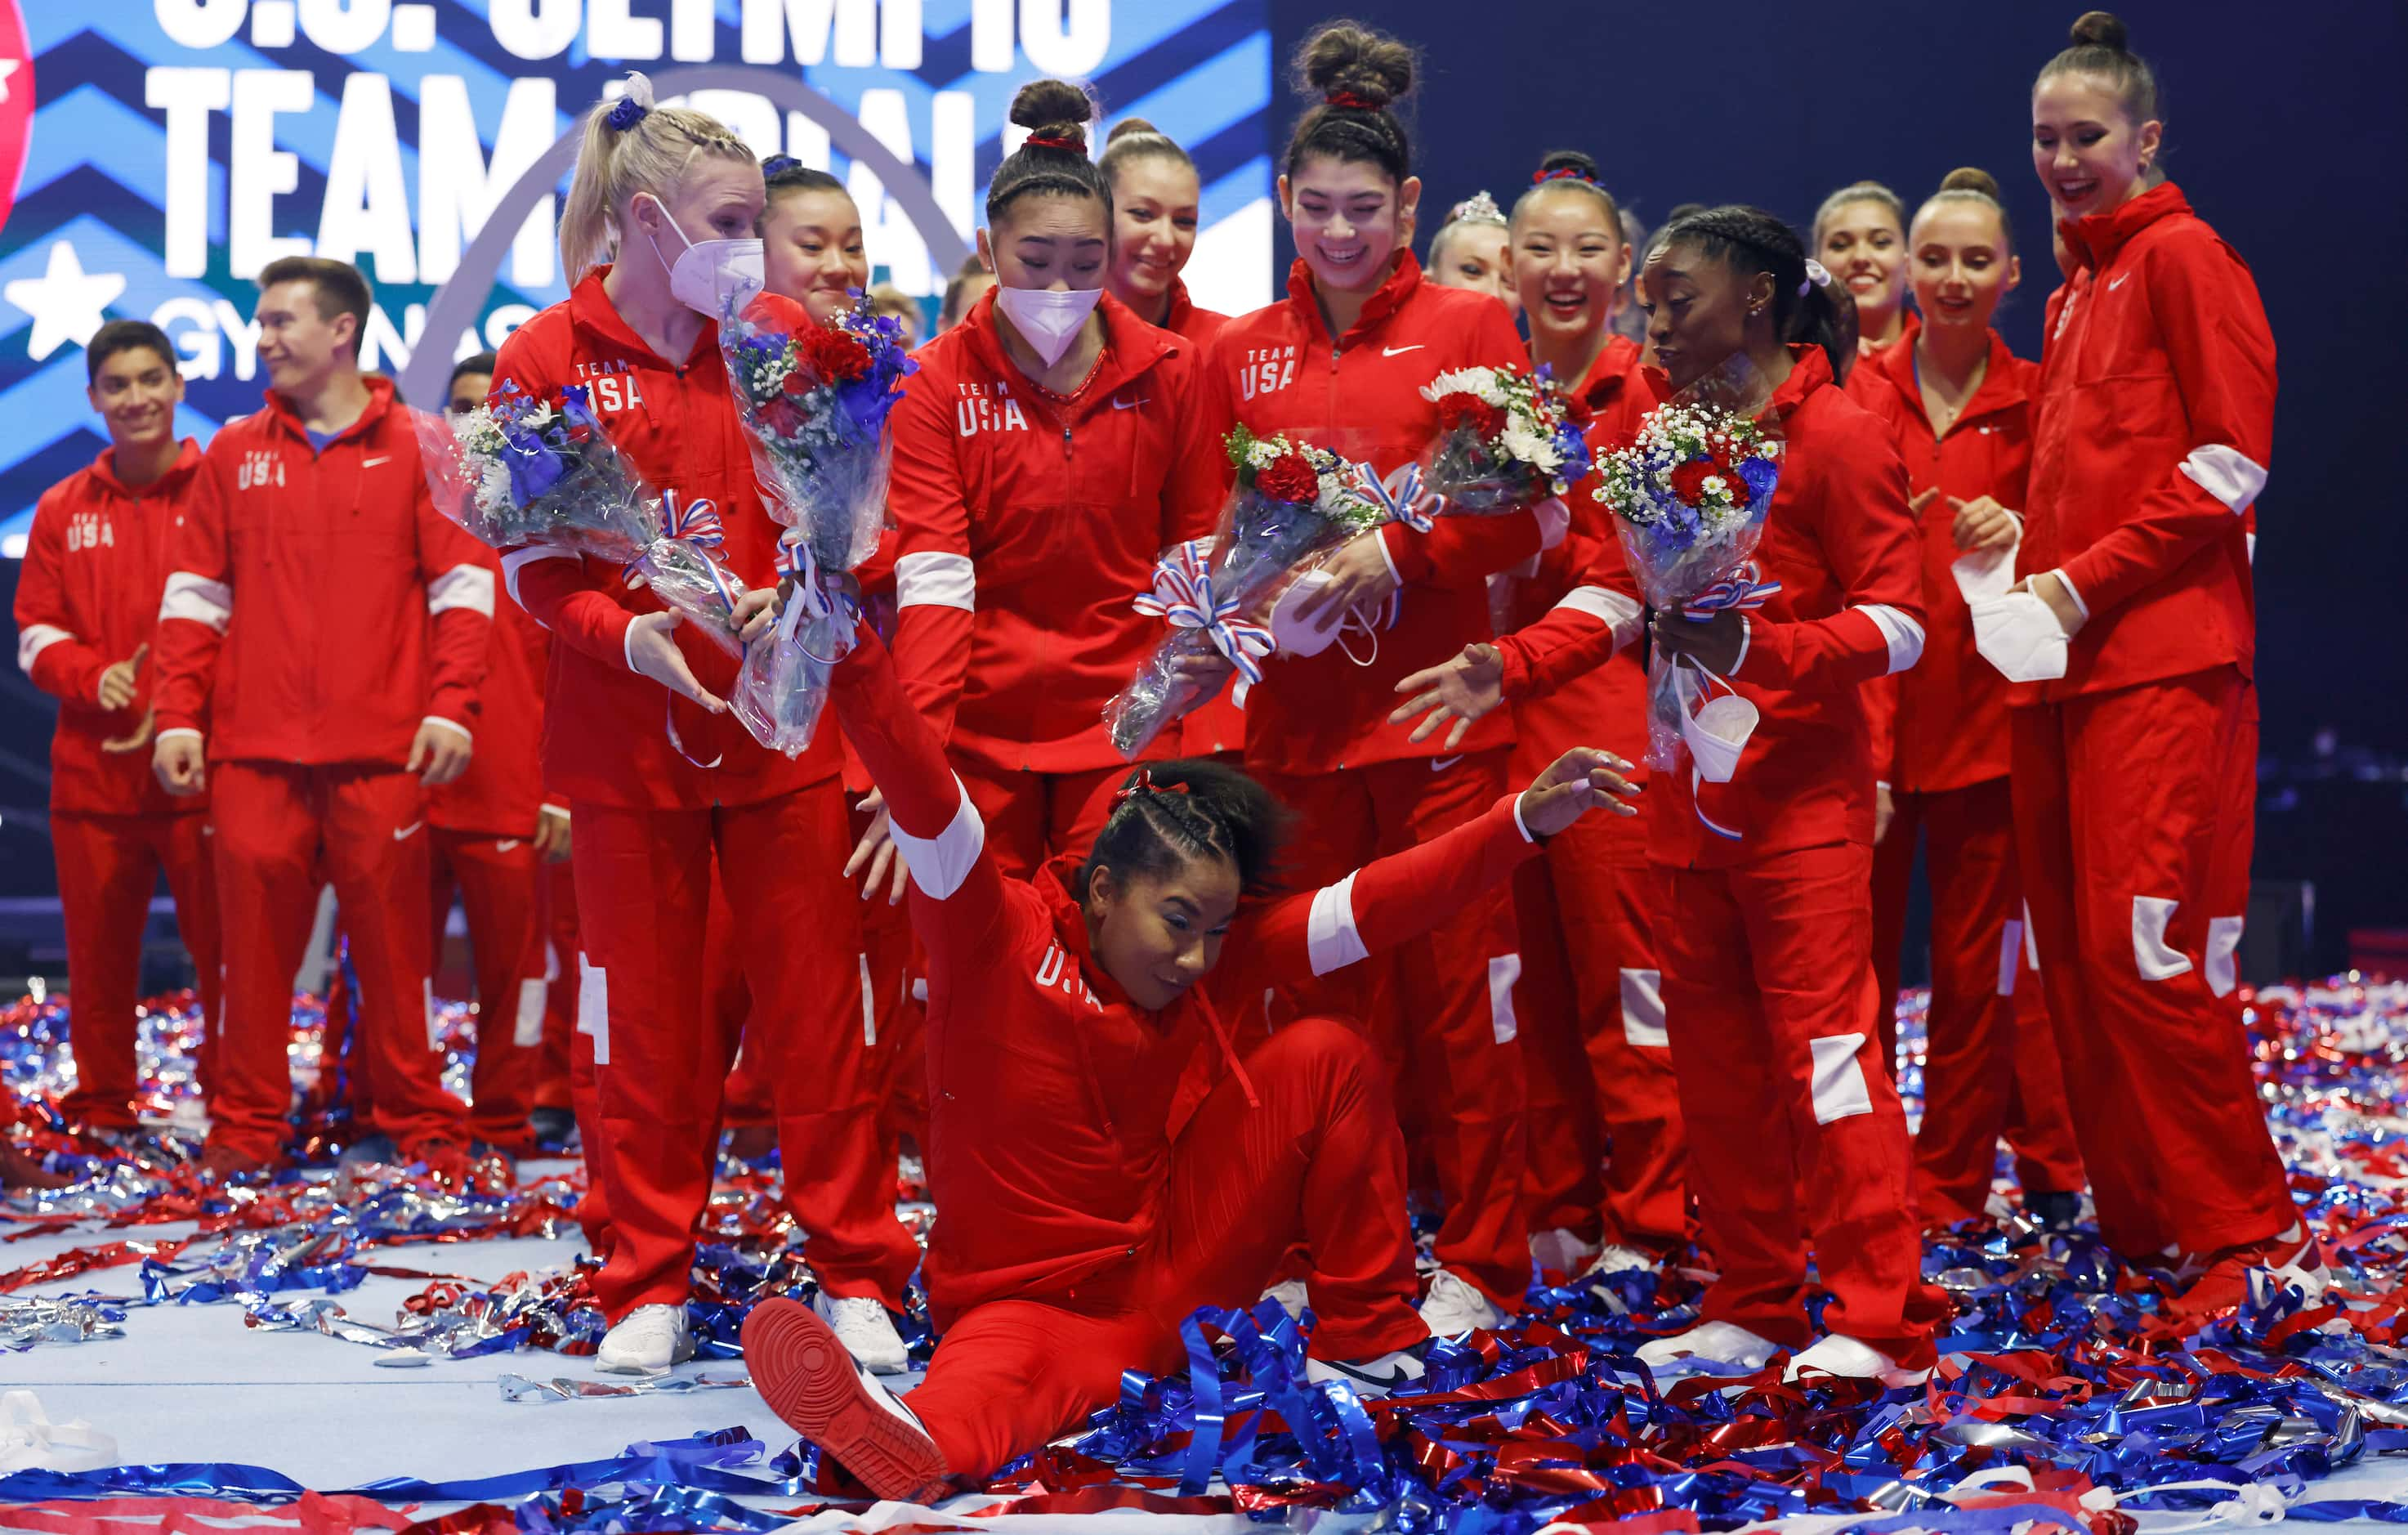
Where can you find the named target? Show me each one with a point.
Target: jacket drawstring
(1228, 1052)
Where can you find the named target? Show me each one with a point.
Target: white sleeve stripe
(37, 639)
(519, 559)
(941, 863)
(1331, 942)
(2227, 474)
(470, 586)
(933, 580)
(198, 598)
(1612, 609)
(2071, 590)
(1903, 635)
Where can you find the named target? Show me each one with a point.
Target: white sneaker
(1451, 1307)
(190, 1118)
(646, 1341)
(1841, 1355)
(806, 1376)
(1558, 1250)
(1709, 1343)
(1291, 1296)
(868, 1333)
(1386, 1375)
(1613, 1258)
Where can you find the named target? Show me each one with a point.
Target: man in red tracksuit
(297, 661)
(87, 598)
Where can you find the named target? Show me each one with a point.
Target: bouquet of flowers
(1689, 497)
(519, 471)
(1292, 503)
(814, 400)
(1507, 440)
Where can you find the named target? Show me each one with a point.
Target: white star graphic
(8, 68)
(67, 303)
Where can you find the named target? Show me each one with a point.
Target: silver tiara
(1478, 208)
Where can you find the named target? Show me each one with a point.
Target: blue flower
(534, 469)
(1760, 475)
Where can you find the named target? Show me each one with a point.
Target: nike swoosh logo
(1398, 352)
(372, 463)
(404, 833)
(1440, 765)
(1386, 1384)
(1120, 403)
(2118, 282)
(506, 846)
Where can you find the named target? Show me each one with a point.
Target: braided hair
(1170, 813)
(1749, 240)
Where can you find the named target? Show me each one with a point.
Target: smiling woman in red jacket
(2135, 767)
(1341, 363)
(1960, 405)
(1104, 1160)
(1860, 238)
(662, 780)
(1046, 454)
(1600, 1072)
(1765, 922)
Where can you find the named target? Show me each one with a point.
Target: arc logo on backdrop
(178, 146)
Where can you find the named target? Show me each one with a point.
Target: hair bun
(1567, 165)
(2101, 29)
(1971, 179)
(1053, 109)
(1353, 62)
(1129, 127)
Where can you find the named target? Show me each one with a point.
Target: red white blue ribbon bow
(811, 601)
(1402, 494)
(1742, 590)
(1182, 598)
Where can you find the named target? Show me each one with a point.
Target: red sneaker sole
(805, 1374)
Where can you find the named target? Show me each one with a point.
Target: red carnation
(1689, 481)
(1576, 411)
(1289, 478)
(833, 355)
(798, 382)
(1462, 409)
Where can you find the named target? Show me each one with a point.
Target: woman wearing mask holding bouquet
(1341, 364)
(2135, 765)
(1765, 923)
(1593, 1030)
(657, 231)
(1047, 453)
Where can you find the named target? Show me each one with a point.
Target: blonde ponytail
(630, 147)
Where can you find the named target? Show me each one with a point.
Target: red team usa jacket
(1279, 370)
(2156, 424)
(87, 598)
(1053, 1099)
(503, 792)
(1840, 542)
(607, 728)
(1026, 526)
(295, 625)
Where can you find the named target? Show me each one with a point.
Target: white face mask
(1717, 730)
(2019, 634)
(717, 277)
(1046, 318)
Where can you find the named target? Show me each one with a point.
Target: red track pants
(1318, 1159)
(1986, 1072)
(1453, 993)
(1032, 817)
(108, 866)
(277, 826)
(2134, 817)
(557, 885)
(662, 1060)
(499, 880)
(1769, 998)
(1598, 1064)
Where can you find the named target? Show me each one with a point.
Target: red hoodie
(87, 598)
(297, 614)
(1850, 608)
(1605, 707)
(605, 737)
(1053, 1099)
(1278, 370)
(1188, 323)
(2152, 432)
(1951, 710)
(1027, 524)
